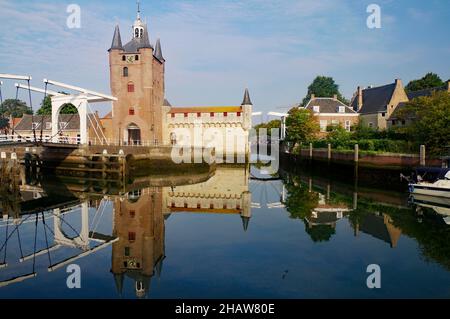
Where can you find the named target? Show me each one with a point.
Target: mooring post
(356, 153)
(310, 151)
(422, 155)
(329, 152)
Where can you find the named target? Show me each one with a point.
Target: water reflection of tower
(139, 225)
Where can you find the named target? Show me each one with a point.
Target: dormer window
(341, 109)
(316, 109)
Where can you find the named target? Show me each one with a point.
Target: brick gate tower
(137, 80)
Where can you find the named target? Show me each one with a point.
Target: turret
(247, 107)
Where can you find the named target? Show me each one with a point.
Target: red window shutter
(238, 113)
(225, 114)
(185, 115)
(173, 114)
(211, 114)
(131, 236)
(199, 114)
(131, 111)
(130, 88)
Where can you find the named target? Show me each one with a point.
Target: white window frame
(316, 108)
(341, 109)
(348, 125)
(48, 125)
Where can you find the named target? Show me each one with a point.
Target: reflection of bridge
(82, 240)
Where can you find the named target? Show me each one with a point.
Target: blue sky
(214, 49)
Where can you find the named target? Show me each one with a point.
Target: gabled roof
(327, 105)
(375, 99)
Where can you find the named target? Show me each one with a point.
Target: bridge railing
(5, 139)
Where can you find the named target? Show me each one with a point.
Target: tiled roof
(327, 105)
(375, 99)
(426, 92)
(206, 109)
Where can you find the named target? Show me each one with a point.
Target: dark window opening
(132, 213)
(123, 58)
(173, 114)
(185, 115)
(211, 114)
(127, 251)
(136, 57)
(211, 206)
(199, 114)
(131, 236)
(125, 71)
(131, 111)
(225, 114)
(238, 113)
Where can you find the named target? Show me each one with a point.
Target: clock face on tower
(130, 58)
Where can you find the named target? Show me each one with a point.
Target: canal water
(235, 234)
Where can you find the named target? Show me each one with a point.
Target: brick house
(375, 105)
(332, 112)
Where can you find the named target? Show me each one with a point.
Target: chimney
(335, 97)
(360, 98)
(313, 96)
(398, 82)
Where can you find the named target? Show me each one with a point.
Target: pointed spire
(158, 51)
(138, 16)
(245, 221)
(117, 41)
(145, 42)
(246, 100)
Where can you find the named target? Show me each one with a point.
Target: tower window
(123, 58)
(131, 111)
(136, 57)
(127, 251)
(136, 33)
(125, 71)
(130, 87)
(131, 236)
(132, 213)
(142, 33)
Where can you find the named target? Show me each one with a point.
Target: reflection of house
(139, 224)
(376, 104)
(380, 227)
(69, 126)
(321, 224)
(224, 193)
(332, 112)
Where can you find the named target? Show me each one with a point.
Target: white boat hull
(430, 190)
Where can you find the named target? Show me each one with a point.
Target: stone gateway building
(142, 115)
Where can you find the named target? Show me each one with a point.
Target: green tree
(274, 124)
(430, 80)
(323, 86)
(301, 126)
(4, 123)
(431, 121)
(46, 107)
(339, 137)
(14, 108)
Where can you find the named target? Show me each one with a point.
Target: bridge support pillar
(80, 102)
